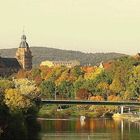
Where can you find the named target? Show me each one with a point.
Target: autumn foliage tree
(16, 101)
(82, 94)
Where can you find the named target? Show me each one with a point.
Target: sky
(83, 25)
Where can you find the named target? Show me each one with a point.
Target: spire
(23, 37)
(23, 30)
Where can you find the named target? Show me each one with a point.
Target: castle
(23, 60)
(68, 64)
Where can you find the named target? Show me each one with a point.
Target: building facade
(69, 64)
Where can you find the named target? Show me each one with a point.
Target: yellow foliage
(26, 87)
(19, 98)
(96, 98)
(116, 86)
(14, 100)
(103, 85)
(114, 98)
(93, 74)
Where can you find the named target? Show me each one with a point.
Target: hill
(44, 53)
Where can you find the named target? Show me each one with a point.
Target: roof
(10, 62)
(107, 65)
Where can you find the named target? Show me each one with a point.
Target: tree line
(119, 79)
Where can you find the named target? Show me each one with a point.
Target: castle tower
(24, 55)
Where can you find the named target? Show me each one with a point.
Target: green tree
(121, 70)
(117, 86)
(77, 71)
(103, 89)
(66, 89)
(79, 83)
(47, 88)
(134, 83)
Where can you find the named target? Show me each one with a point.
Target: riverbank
(65, 113)
(53, 111)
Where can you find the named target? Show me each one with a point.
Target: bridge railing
(88, 102)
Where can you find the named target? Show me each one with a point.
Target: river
(89, 129)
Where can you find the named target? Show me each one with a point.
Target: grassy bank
(55, 111)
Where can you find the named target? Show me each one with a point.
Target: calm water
(90, 129)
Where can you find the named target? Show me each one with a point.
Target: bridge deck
(87, 102)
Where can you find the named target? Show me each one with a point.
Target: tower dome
(23, 37)
(23, 43)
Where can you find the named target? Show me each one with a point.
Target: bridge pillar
(122, 109)
(129, 110)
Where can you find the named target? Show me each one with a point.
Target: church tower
(24, 55)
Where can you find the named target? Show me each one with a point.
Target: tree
(5, 84)
(77, 71)
(16, 101)
(65, 76)
(27, 88)
(17, 105)
(114, 98)
(66, 89)
(82, 94)
(117, 86)
(35, 73)
(47, 88)
(96, 98)
(104, 76)
(103, 89)
(94, 74)
(121, 70)
(134, 82)
(78, 84)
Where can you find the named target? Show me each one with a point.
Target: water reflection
(82, 120)
(97, 129)
(18, 128)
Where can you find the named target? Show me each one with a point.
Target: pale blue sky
(84, 25)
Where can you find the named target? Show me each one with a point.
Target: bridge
(88, 102)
